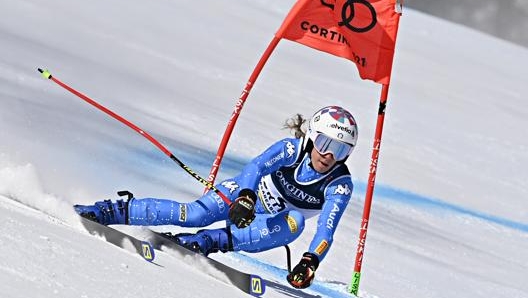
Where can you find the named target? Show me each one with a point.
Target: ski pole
(288, 257)
(47, 75)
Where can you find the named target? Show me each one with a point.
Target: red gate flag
(363, 31)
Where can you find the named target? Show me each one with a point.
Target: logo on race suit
(230, 185)
(348, 13)
(292, 224)
(272, 204)
(342, 189)
(321, 248)
(290, 149)
(331, 217)
(265, 231)
(295, 192)
(274, 159)
(183, 213)
(219, 202)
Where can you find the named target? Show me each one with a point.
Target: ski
(249, 283)
(118, 238)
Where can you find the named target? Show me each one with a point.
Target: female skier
(294, 179)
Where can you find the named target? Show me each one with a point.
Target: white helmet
(333, 129)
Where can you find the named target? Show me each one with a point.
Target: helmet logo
(343, 128)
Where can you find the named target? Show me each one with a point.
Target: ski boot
(206, 241)
(105, 212)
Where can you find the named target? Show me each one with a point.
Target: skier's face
(322, 162)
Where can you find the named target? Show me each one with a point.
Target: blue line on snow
(394, 194)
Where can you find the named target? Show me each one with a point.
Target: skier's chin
(321, 166)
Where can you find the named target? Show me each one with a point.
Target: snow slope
(449, 215)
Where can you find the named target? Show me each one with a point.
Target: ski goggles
(324, 144)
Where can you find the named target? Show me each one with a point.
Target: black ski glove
(242, 210)
(303, 274)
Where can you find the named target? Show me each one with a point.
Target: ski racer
(293, 180)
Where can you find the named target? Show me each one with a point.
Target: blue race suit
(289, 190)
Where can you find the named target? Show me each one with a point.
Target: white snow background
(449, 216)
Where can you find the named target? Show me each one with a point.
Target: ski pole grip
(45, 73)
(122, 193)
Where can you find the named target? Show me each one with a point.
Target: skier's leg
(202, 212)
(264, 233)
(268, 231)
(151, 211)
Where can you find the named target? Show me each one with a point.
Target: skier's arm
(282, 153)
(337, 196)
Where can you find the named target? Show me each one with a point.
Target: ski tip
(147, 251)
(257, 286)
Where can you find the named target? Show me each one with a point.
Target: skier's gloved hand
(303, 273)
(242, 210)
